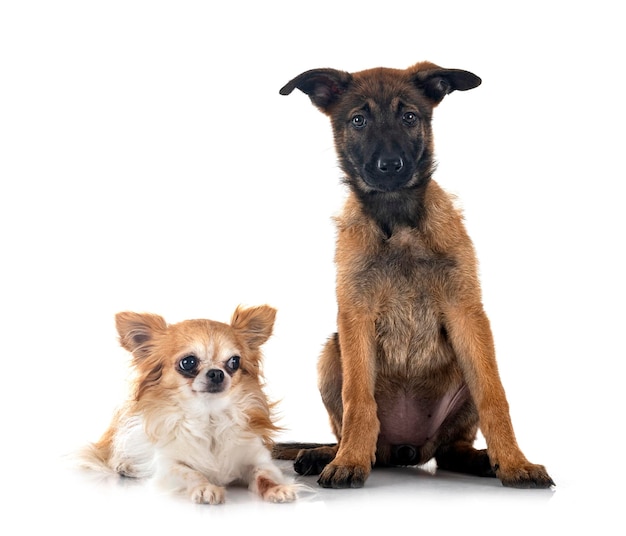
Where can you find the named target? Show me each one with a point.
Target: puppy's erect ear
(254, 323)
(436, 82)
(323, 86)
(137, 330)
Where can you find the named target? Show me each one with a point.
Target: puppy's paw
(312, 461)
(343, 476)
(280, 493)
(526, 476)
(207, 494)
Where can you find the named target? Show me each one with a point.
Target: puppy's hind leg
(462, 457)
(455, 451)
(310, 459)
(313, 460)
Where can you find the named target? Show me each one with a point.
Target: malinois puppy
(411, 373)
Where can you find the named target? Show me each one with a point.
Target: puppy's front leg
(197, 486)
(360, 426)
(471, 337)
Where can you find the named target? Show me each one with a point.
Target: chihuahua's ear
(323, 86)
(254, 323)
(137, 331)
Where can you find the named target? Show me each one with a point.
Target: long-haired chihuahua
(198, 419)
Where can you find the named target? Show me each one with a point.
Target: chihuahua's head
(195, 358)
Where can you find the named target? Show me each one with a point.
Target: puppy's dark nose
(215, 375)
(390, 164)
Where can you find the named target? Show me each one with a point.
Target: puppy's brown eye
(409, 118)
(233, 363)
(188, 363)
(358, 121)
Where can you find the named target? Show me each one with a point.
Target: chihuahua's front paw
(280, 493)
(207, 494)
(269, 486)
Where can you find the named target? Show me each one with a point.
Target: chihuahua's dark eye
(358, 121)
(233, 363)
(189, 363)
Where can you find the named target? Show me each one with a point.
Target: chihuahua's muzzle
(215, 381)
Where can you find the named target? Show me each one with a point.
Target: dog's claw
(312, 462)
(528, 477)
(340, 477)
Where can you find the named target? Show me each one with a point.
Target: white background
(148, 163)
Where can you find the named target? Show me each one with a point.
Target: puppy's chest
(400, 270)
(401, 281)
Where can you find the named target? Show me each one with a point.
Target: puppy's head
(381, 119)
(195, 358)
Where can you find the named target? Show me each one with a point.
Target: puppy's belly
(407, 419)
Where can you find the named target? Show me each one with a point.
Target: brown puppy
(411, 373)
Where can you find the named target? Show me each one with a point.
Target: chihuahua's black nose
(215, 375)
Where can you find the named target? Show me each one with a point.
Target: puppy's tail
(289, 451)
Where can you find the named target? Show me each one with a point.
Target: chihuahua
(198, 419)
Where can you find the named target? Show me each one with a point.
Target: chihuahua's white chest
(212, 439)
